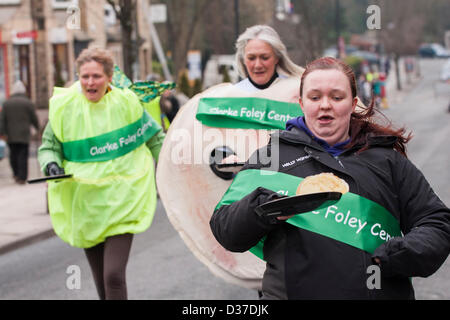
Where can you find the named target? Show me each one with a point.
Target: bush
(226, 76)
(157, 68)
(183, 84)
(355, 63)
(197, 87)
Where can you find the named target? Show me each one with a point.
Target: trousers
(18, 159)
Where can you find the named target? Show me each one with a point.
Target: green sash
(246, 113)
(354, 220)
(113, 144)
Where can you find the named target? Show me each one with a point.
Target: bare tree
(125, 11)
(183, 16)
(402, 30)
(219, 42)
(38, 16)
(305, 36)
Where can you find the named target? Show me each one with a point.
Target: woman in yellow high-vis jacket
(103, 137)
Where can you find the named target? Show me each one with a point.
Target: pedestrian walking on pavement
(387, 227)
(103, 137)
(16, 118)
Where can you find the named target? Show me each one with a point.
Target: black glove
(53, 169)
(266, 195)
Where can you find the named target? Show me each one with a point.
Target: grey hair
(18, 88)
(269, 35)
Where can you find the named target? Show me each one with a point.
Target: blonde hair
(98, 55)
(269, 35)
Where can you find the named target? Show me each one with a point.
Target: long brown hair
(364, 122)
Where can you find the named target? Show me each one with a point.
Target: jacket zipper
(370, 294)
(339, 161)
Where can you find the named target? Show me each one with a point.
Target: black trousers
(18, 158)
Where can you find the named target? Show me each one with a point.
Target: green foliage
(197, 87)
(183, 84)
(355, 63)
(157, 68)
(225, 74)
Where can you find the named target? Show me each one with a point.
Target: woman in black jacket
(391, 225)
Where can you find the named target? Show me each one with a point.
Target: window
(10, 2)
(64, 4)
(3, 74)
(60, 61)
(21, 67)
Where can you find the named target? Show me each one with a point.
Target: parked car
(370, 57)
(433, 50)
(332, 51)
(352, 51)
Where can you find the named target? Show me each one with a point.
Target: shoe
(19, 181)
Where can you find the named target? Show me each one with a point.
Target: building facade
(40, 40)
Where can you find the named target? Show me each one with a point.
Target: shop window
(61, 66)
(22, 65)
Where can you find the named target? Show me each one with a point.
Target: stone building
(40, 40)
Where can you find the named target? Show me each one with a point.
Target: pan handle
(215, 160)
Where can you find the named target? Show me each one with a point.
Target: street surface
(424, 111)
(161, 266)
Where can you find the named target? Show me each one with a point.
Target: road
(161, 266)
(424, 111)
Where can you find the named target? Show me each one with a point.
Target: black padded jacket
(305, 265)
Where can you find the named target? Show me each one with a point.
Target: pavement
(23, 208)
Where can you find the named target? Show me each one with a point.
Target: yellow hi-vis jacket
(154, 110)
(103, 198)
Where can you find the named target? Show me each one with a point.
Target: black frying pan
(297, 204)
(55, 177)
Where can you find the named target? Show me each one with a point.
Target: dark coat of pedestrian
(17, 116)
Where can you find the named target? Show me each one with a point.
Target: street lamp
(338, 28)
(236, 18)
